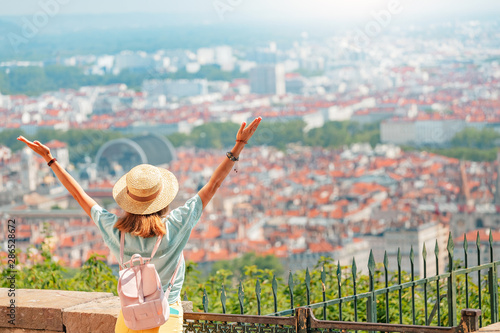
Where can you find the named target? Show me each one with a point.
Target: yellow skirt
(173, 324)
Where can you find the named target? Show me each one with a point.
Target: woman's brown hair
(143, 225)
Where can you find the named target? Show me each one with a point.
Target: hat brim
(169, 190)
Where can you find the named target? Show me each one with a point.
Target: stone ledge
(493, 328)
(42, 309)
(54, 311)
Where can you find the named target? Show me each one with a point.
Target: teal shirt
(179, 224)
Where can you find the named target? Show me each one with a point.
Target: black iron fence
(429, 303)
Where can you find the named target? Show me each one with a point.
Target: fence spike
(438, 300)
(323, 286)
(493, 284)
(185, 296)
(412, 267)
(371, 263)
(371, 305)
(400, 292)
(354, 268)
(241, 298)
(466, 263)
(308, 286)
(205, 300)
(339, 273)
(258, 294)
(452, 287)
(386, 276)
(424, 257)
(450, 247)
(223, 298)
(323, 277)
(399, 257)
(290, 286)
(466, 244)
(339, 283)
(479, 295)
(275, 293)
(491, 245)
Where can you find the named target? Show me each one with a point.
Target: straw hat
(145, 189)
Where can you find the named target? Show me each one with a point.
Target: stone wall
(53, 311)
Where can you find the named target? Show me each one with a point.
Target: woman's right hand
(37, 147)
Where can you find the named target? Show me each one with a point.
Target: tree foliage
(474, 138)
(472, 144)
(281, 133)
(45, 272)
(36, 80)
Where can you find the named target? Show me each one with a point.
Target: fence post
(241, 298)
(412, 267)
(493, 284)
(290, 286)
(339, 283)
(205, 300)
(371, 306)
(452, 286)
(301, 321)
(386, 274)
(426, 311)
(469, 321)
(478, 247)
(275, 293)
(438, 300)
(354, 292)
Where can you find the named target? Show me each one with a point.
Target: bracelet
(232, 157)
(51, 161)
(243, 141)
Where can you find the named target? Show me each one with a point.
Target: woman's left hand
(37, 147)
(245, 133)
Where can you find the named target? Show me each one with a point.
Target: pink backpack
(143, 301)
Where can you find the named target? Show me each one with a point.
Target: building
(133, 61)
(118, 156)
(29, 170)
(175, 88)
(224, 58)
(470, 215)
(420, 131)
(477, 237)
(205, 56)
(268, 80)
(59, 150)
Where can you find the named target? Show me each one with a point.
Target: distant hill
(68, 35)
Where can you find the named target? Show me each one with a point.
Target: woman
(145, 193)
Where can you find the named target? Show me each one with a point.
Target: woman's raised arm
(66, 179)
(244, 134)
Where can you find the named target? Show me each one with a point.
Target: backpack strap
(122, 246)
(171, 283)
(158, 241)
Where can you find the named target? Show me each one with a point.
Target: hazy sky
(262, 9)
